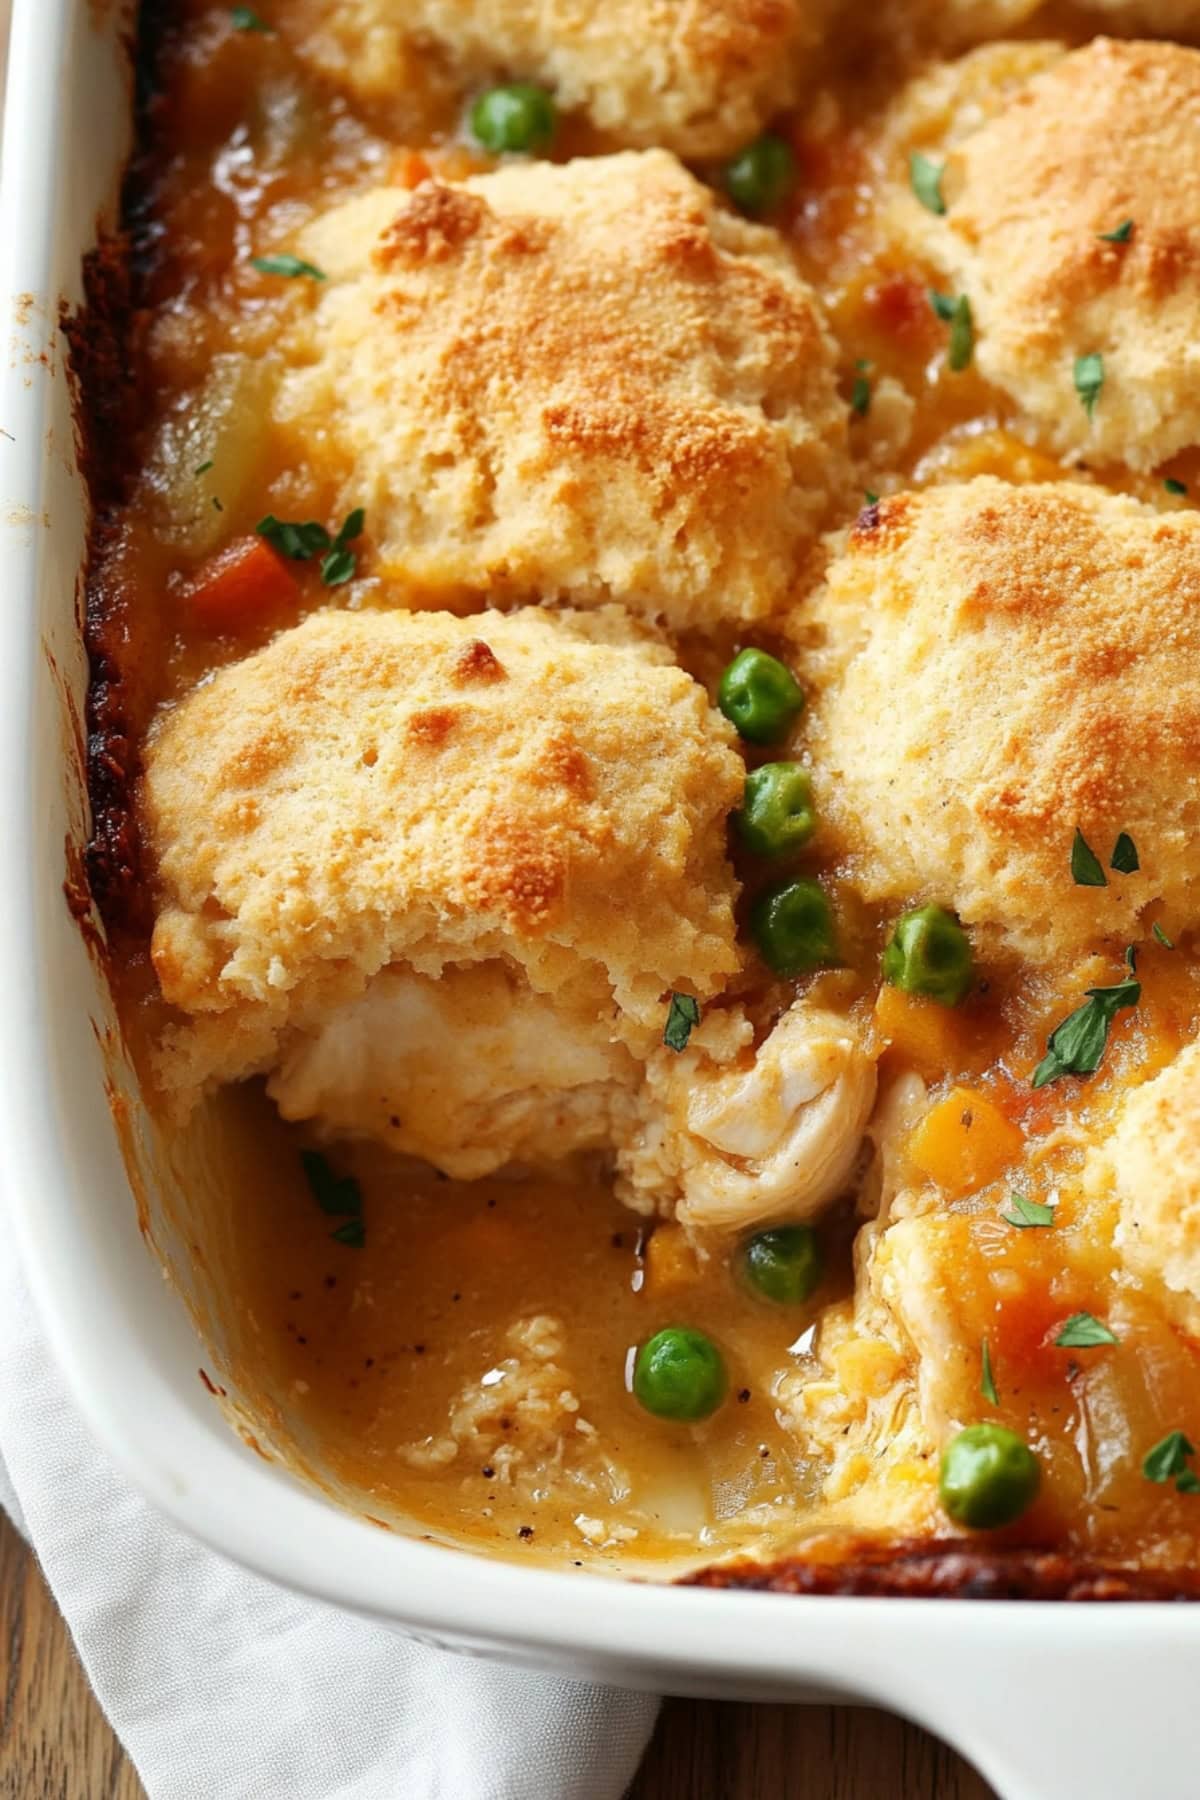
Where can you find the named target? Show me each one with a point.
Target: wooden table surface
(55, 1744)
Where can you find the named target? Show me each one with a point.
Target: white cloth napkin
(222, 1686)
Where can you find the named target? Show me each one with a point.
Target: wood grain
(56, 1745)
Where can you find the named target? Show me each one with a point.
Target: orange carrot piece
(241, 585)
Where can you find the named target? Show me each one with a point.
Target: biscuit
(993, 666)
(697, 76)
(1151, 1165)
(1071, 205)
(584, 382)
(390, 788)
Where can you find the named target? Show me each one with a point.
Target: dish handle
(1096, 1703)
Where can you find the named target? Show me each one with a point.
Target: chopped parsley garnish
(204, 467)
(871, 499)
(1175, 487)
(1166, 942)
(1085, 864)
(925, 177)
(860, 396)
(353, 1233)
(1089, 379)
(1124, 858)
(962, 336)
(1121, 235)
(1032, 1213)
(683, 1015)
(1083, 1331)
(244, 18)
(957, 314)
(987, 1382)
(1168, 1461)
(1076, 1047)
(336, 1194)
(287, 265)
(302, 542)
(339, 565)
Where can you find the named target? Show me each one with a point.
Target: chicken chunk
(469, 1072)
(731, 1136)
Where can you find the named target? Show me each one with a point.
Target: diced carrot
(670, 1260)
(931, 1039)
(241, 585)
(409, 169)
(964, 1141)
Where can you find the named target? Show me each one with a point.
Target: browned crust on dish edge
(102, 357)
(951, 1569)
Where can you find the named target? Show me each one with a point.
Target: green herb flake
(962, 336)
(1121, 235)
(339, 565)
(244, 18)
(338, 1195)
(871, 499)
(204, 467)
(353, 1233)
(1124, 858)
(1168, 1459)
(683, 1015)
(1089, 379)
(299, 541)
(1166, 942)
(860, 396)
(287, 265)
(1085, 864)
(1076, 1047)
(1187, 1482)
(1083, 1331)
(987, 1381)
(1175, 487)
(943, 305)
(1030, 1213)
(925, 178)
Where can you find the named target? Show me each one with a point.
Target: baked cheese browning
(586, 381)
(1151, 1166)
(1047, 642)
(377, 788)
(1070, 223)
(695, 76)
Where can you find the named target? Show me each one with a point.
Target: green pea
(759, 178)
(929, 953)
(784, 1264)
(520, 117)
(792, 924)
(680, 1374)
(759, 696)
(989, 1477)
(777, 809)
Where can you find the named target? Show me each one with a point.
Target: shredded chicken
(733, 1137)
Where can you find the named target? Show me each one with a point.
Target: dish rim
(909, 1654)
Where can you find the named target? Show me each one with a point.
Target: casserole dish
(1045, 1699)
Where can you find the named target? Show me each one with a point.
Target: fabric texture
(221, 1684)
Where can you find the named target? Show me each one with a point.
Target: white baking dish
(1052, 1702)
